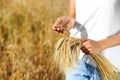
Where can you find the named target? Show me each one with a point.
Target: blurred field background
(26, 38)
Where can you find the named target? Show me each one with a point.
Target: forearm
(110, 42)
(72, 8)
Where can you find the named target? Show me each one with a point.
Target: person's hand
(63, 24)
(91, 46)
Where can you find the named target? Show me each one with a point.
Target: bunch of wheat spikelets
(66, 55)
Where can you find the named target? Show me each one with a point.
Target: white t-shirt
(96, 20)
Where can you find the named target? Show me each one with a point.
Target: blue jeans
(83, 71)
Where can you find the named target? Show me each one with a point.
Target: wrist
(103, 44)
(74, 22)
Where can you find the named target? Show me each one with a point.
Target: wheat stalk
(66, 54)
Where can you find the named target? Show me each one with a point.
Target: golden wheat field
(26, 38)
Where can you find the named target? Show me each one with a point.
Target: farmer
(97, 24)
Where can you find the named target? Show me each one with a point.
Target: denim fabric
(83, 71)
(118, 74)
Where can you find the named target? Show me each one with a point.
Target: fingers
(59, 25)
(87, 44)
(84, 50)
(90, 46)
(56, 24)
